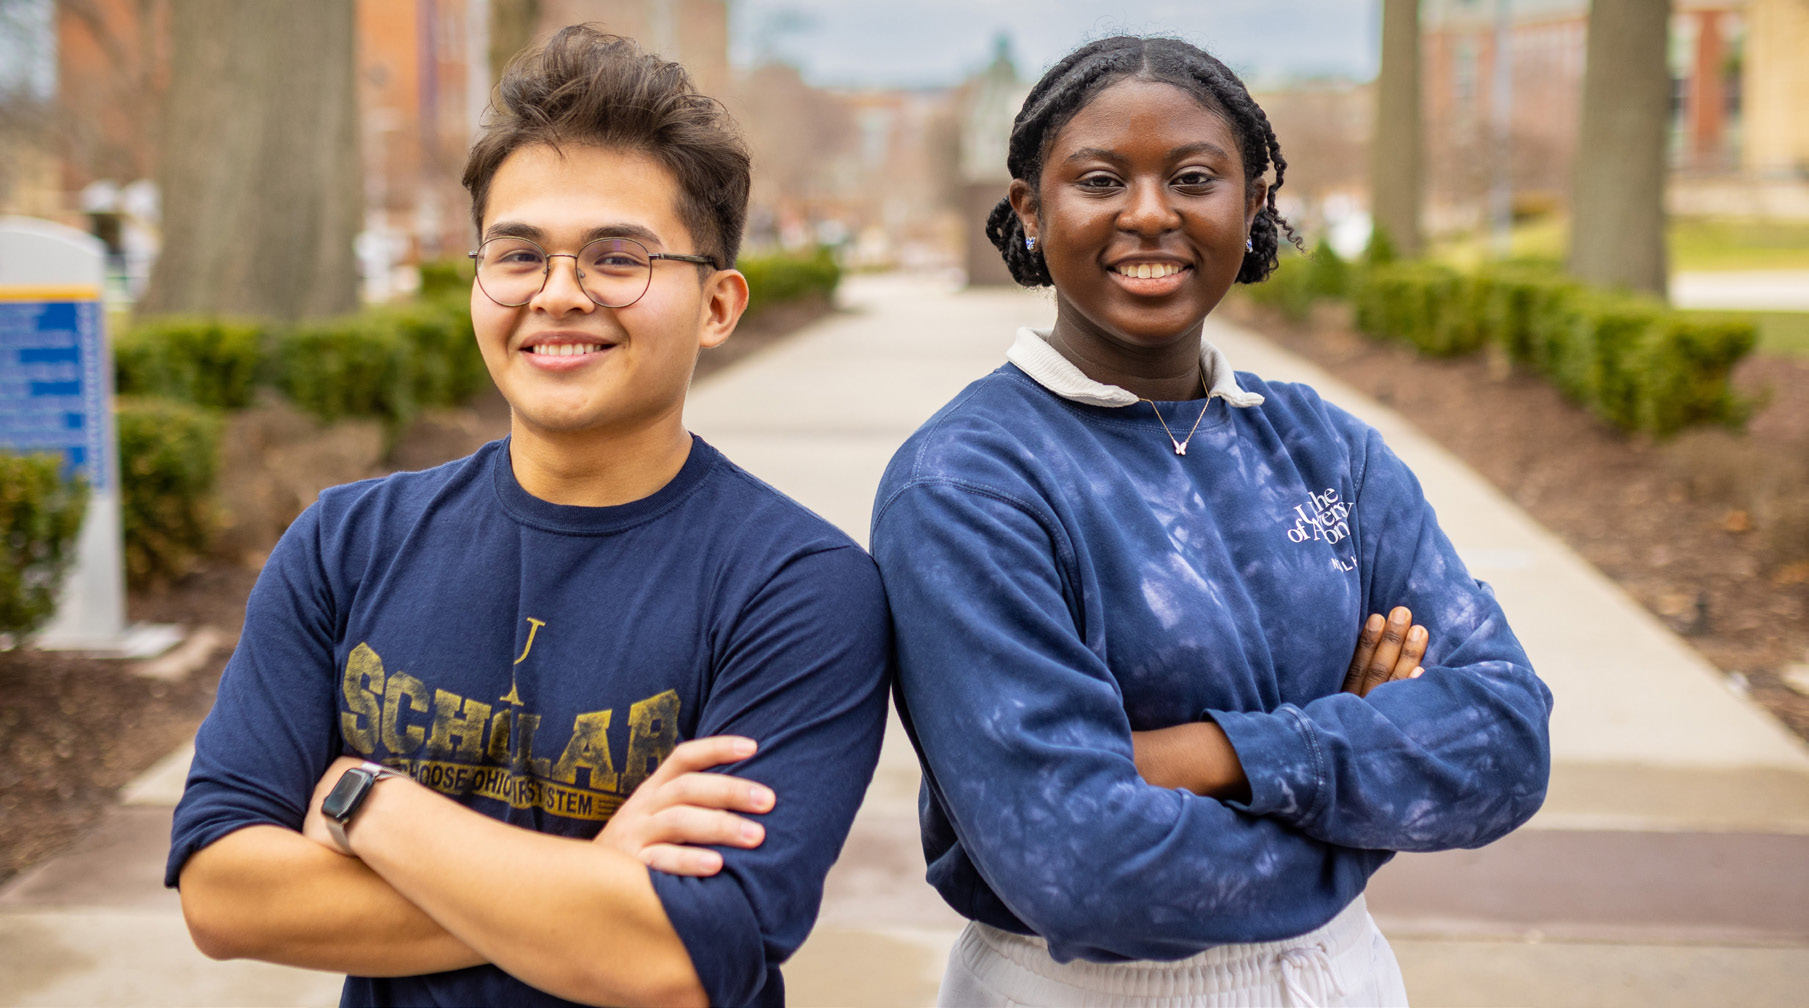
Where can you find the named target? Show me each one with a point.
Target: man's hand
(1386, 650)
(680, 807)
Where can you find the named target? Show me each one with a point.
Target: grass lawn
(1783, 333)
(1695, 244)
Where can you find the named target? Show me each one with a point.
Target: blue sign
(52, 388)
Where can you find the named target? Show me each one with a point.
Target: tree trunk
(512, 27)
(1395, 157)
(1617, 236)
(259, 168)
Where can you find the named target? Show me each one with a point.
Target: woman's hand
(1198, 757)
(680, 807)
(1386, 650)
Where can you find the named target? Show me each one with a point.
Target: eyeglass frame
(547, 272)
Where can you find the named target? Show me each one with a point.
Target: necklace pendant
(1180, 446)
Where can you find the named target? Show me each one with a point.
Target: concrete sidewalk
(1670, 865)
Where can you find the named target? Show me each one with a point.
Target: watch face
(344, 797)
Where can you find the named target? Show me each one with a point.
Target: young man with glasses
(446, 756)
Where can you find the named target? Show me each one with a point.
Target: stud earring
(1249, 245)
(1030, 243)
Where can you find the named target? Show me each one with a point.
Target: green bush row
(779, 277)
(387, 362)
(1301, 280)
(40, 516)
(1633, 361)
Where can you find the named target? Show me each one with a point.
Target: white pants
(1346, 962)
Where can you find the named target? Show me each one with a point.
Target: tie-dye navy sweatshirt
(1060, 577)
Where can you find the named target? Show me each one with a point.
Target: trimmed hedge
(787, 276)
(169, 457)
(40, 517)
(1631, 360)
(345, 367)
(386, 362)
(209, 362)
(1299, 281)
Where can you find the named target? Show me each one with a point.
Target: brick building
(1719, 56)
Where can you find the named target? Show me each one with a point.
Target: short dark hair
(1084, 73)
(586, 86)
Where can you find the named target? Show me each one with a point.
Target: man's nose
(563, 289)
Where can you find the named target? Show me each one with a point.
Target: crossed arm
(1198, 757)
(415, 894)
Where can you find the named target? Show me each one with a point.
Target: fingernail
(744, 746)
(1416, 673)
(1375, 622)
(760, 797)
(1417, 634)
(750, 831)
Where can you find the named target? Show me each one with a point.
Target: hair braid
(1070, 84)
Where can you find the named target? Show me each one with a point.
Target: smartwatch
(343, 801)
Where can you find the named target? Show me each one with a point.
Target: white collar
(1032, 353)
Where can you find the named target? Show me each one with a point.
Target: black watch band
(347, 795)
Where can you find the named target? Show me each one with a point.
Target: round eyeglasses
(613, 272)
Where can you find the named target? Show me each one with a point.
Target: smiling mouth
(566, 349)
(1148, 271)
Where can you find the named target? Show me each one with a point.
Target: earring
(1249, 245)
(1030, 243)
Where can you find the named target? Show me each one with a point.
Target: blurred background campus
(1587, 329)
(878, 129)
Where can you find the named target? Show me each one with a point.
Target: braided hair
(1070, 84)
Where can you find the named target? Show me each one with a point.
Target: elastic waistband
(1217, 969)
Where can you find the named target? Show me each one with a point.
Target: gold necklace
(1181, 445)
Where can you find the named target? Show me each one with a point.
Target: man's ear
(725, 298)
(1023, 202)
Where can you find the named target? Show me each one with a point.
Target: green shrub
(354, 365)
(209, 362)
(169, 456)
(1380, 251)
(443, 363)
(1601, 366)
(1506, 299)
(1423, 304)
(1328, 275)
(1288, 289)
(446, 279)
(40, 516)
(783, 276)
(1684, 371)
(1299, 281)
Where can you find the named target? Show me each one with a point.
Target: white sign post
(56, 396)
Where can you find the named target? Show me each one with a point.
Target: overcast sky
(933, 42)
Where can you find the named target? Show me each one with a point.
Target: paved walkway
(1742, 290)
(1669, 867)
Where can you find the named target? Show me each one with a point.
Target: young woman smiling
(1124, 577)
